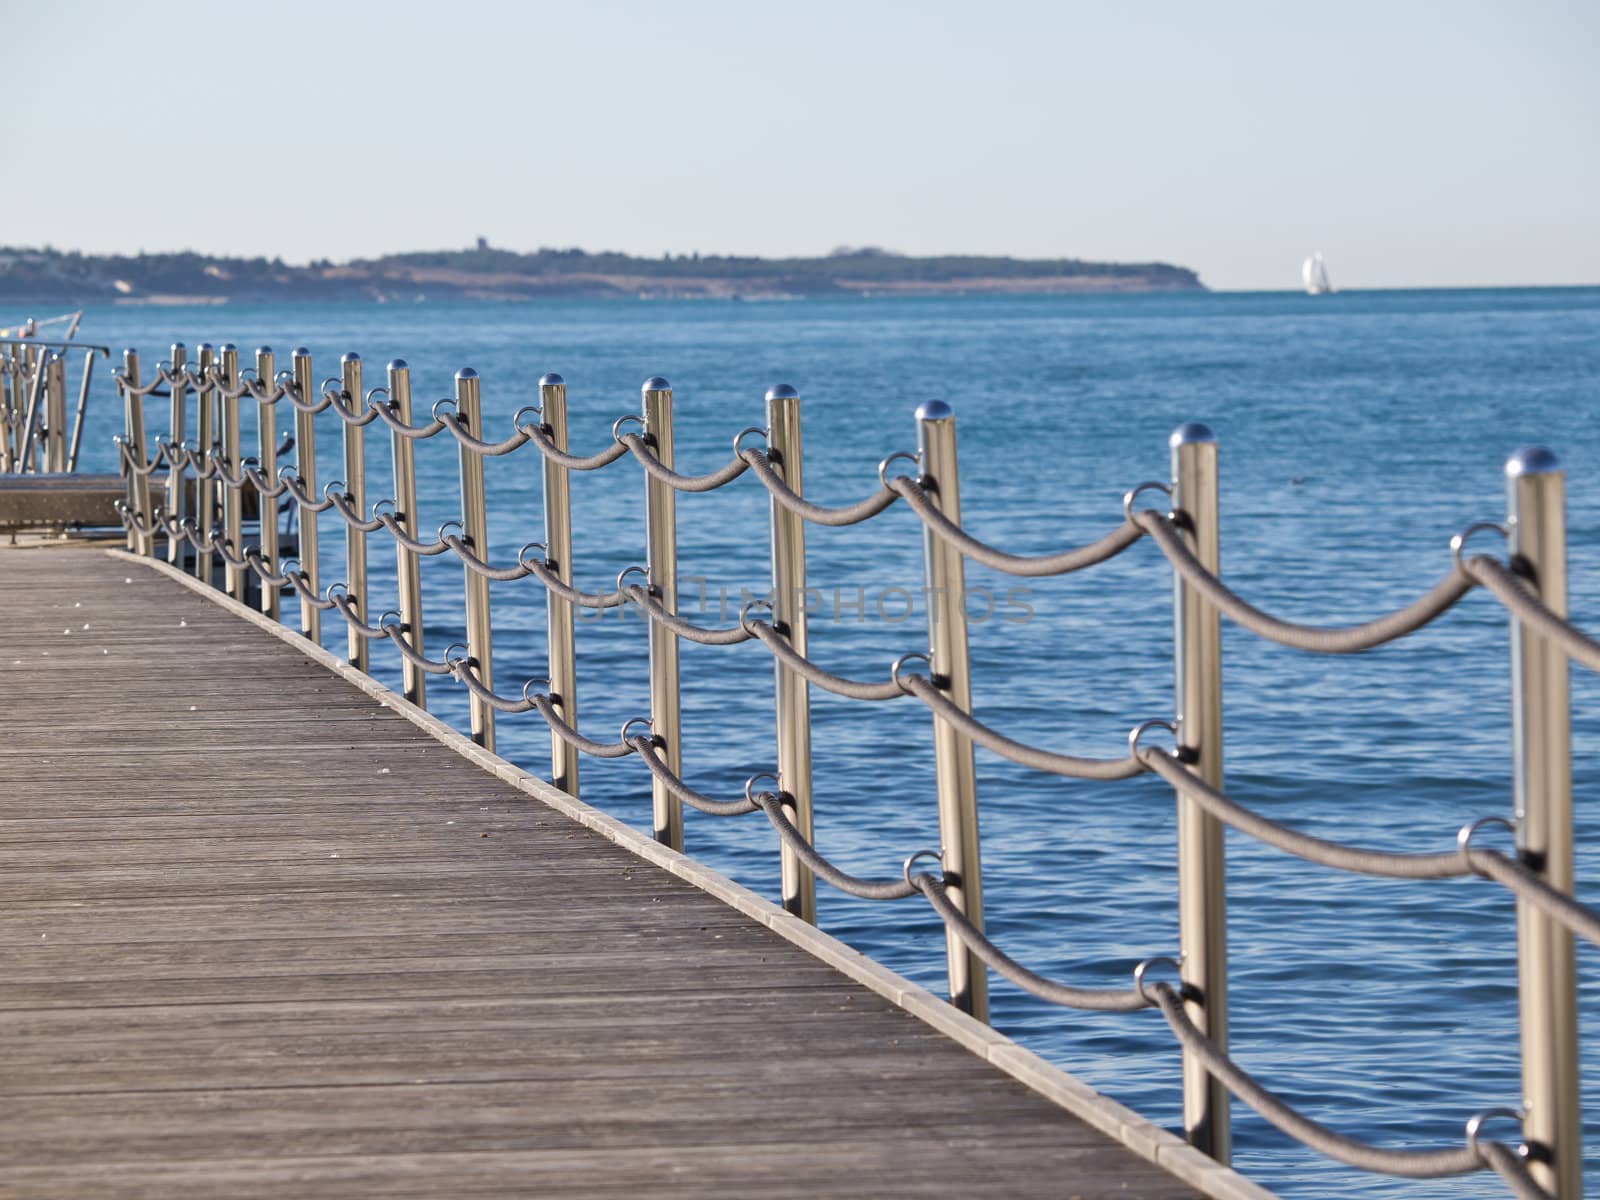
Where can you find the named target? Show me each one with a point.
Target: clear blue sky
(1416, 144)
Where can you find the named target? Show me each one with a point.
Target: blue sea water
(1357, 433)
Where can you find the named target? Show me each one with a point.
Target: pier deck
(265, 937)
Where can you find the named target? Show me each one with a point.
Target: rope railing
(1530, 586)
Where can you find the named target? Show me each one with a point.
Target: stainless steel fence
(1529, 582)
(35, 434)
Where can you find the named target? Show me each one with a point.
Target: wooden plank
(264, 946)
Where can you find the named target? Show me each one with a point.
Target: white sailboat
(1314, 274)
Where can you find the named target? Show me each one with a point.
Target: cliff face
(486, 273)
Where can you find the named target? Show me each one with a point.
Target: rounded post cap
(179, 346)
(398, 364)
(782, 391)
(204, 347)
(656, 384)
(349, 356)
(229, 348)
(934, 410)
(1532, 460)
(127, 350)
(1191, 433)
(300, 352)
(552, 380)
(466, 373)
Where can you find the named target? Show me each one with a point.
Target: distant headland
(485, 272)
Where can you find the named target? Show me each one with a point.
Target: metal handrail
(1531, 585)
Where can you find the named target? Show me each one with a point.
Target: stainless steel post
(175, 434)
(138, 485)
(55, 415)
(475, 533)
(355, 486)
(83, 405)
(1542, 774)
(558, 609)
(1202, 878)
(232, 497)
(32, 420)
(661, 542)
(408, 570)
(11, 410)
(793, 694)
(267, 456)
(204, 509)
(305, 466)
(955, 772)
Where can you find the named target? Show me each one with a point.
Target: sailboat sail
(1314, 274)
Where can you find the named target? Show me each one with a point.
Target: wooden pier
(265, 936)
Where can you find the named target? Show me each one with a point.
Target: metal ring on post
(328, 487)
(905, 870)
(516, 418)
(750, 784)
(528, 683)
(616, 426)
(738, 450)
(1138, 976)
(630, 723)
(522, 556)
(744, 612)
(465, 657)
(894, 668)
(344, 588)
(441, 404)
(1477, 1121)
(634, 570)
(1137, 732)
(386, 506)
(1459, 541)
(399, 621)
(458, 525)
(1464, 834)
(908, 456)
(1132, 494)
